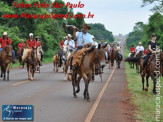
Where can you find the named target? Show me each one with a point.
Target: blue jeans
(72, 58)
(13, 52)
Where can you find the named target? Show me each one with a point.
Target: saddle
(151, 58)
(78, 57)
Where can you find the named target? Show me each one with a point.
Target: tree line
(142, 32)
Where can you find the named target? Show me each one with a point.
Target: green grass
(144, 101)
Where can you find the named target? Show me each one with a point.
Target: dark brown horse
(111, 58)
(6, 58)
(94, 57)
(151, 71)
(19, 55)
(118, 58)
(132, 63)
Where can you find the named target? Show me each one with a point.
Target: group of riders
(30, 43)
(152, 48)
(84, 40)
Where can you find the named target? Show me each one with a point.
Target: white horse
(66, 54)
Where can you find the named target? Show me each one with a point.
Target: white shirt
(71, 44)
(139, 48)
(95, 44)
(83, 38)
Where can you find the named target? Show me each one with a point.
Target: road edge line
(95, 105)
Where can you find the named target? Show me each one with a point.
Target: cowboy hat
(37, 37)
(4, 33)
(31, 34)
(140, 43)
(69, 35)
(22, 40)
(92, 36)
(86, 26)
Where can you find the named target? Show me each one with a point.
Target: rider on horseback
(31, 43)
(60, 52)
(118, 48)
(21, 44)
(94, 42)
(84, 39)
(39, 45)
(4, 40)
(132, 50)
(152, 49)
(139, 48)
(70, 43)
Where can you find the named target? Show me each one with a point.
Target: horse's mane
(91, 49)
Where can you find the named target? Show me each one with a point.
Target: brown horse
(32, 63)
(118, 58)
(138, 56)
(111, 58)
(55, 62)
(86, 69)
(6, 58)
(151, 70)
(19, 55)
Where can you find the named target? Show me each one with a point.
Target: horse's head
(101, 55)
(8, 49)
(65, 48)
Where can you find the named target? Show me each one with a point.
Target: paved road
(52, 97)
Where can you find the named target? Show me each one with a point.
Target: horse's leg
(8, 70)
(86, 86)
(147, 84)
(154, 85)
(79, 78)
(1, 71)
(143, 83)
(4, 72)
(73, 84)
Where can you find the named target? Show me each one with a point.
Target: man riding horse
(60, 52)
(70, 43)
(5, 40)
(31, 43)
(84, 39)
(139, 48)
(132, 51)
(39, 45)
(21, 47)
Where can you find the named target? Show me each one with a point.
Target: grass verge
(145, 101)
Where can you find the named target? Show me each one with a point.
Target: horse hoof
(154, 92)
(77, 91)
(75, 96)
(88, 99)
(65, 79)
(146, 89)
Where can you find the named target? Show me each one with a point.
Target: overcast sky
(118, 16)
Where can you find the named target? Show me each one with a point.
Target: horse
(138, 56)
(111, 58)
(118, 58)
(132, 63)
(19, 55)
(94, 57)
(151, 70)
(39, 52)
(55, 62)
(6, 58)
(32, 62)
(66, 54)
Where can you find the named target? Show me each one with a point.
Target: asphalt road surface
(53, 99)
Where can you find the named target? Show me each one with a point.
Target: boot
(14, 61)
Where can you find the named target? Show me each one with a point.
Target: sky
(118, 16)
